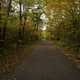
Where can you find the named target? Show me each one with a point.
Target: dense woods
(20, 21)
(64, 22)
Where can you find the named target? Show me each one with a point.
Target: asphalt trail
(47, 63)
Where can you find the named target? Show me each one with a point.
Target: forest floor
(42, 61)
(11, 58)
(72, 55)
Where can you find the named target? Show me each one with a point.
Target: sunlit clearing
(44, 28)
(43, 16)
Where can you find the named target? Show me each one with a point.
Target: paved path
(47, 63)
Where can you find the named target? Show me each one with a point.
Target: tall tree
(8, 9)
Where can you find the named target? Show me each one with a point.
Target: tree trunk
(20, 18)
(7, 15)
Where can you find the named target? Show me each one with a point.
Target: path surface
(47, 63)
